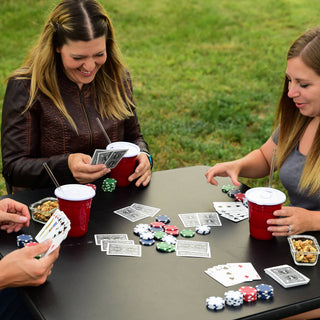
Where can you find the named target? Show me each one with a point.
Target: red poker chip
(170, 228)
(249, 293)
(157, 224)
(239, 196)
(172, 232)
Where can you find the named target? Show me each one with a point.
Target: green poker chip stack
(227, 187)
(187, 233)
(109, 185)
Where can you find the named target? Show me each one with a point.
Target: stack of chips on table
(264, 291)
(23, 239)
(109, 185)
(233, 298)
(249, 293)
(203, 229)
(215, 303)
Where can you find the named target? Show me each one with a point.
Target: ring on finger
(289, 229)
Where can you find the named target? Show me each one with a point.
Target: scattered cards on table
(210, 219)
(197, 249)
(117, 244)
(137, 212)
(110, 158)
(287, 276)
(234, 211)
(56, 228)
(233, 273)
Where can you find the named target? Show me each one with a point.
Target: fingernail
(23, 219)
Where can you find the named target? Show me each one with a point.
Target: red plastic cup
(262, 202)
(75, 201)
(127, 164)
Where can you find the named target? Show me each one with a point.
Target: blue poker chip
(145, 242)
(232, 193)
(22, 239)
(264, 291)
(163, 219)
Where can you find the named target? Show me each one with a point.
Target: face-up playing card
(56, 229)
(287, 276)
(234, 211)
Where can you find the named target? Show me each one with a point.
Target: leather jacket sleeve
(20, 133)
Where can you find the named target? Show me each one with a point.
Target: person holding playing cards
(296, 140)
(72, 80)
(297, 143)
(20, 267)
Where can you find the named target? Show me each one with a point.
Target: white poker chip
(169, 239)
(147, 235)
(233, 298)
(140, 228)
(203, 229)
(215, 303)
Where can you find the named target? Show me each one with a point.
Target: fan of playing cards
(56, 229)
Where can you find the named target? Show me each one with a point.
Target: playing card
(104, 243)
(244, 270)
(189, 219)
(225, 275)
(94, 159)
(234, 211)
(210, 219)
(123, 249)
(188, 248)
(109, 236)
(116, 156)
(131, 213)
(150, 211)
(287, 276)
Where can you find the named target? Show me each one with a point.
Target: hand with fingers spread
(225, 169)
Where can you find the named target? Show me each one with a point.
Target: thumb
(39, 248)
(12, 217)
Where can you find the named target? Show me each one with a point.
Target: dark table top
(88, 284)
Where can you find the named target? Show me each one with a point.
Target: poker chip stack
(233, 298)
(169, 239)
(147, 238)
(165, 247)
(215, 303)
(226, 188)
(249, 293)
(23, 239)
(170, 229)
(162, 218)
(109, 185)
(264, 291)
(187, 233)
(140, 228)
(156, 226)
(203, 229)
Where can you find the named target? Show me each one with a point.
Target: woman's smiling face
(304, 87)
(82, 59)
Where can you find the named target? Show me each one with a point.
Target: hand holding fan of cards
(56, 229)
(110, 158)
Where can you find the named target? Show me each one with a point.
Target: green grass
(207, 75)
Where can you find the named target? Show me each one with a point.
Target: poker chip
(239, 196)
(154, 229)
(249, 293)
(187, 233)
(169, 239)
(147, 235)
(233, 298)
(23, 239)
(140, 228)
(170, 228)
(215, 303)
(264, 291)
(162, 218)
(147, 242)
(159, 234)
(109, 185)
(157, 224)
(172, 232)
(233, 192)
(165, 247)
(203, 229)
(227, 187)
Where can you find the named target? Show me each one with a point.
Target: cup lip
(134, 148)
(265, 196)
(60, 195)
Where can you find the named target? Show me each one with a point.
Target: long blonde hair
(292, 122)
(77, 20)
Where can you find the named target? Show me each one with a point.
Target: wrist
(149, 158)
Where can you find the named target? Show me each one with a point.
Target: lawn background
(207, 75)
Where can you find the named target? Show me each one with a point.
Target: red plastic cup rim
(75, 192)
(133, 151)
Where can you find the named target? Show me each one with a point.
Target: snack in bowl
(42, 210)
(304, 249)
